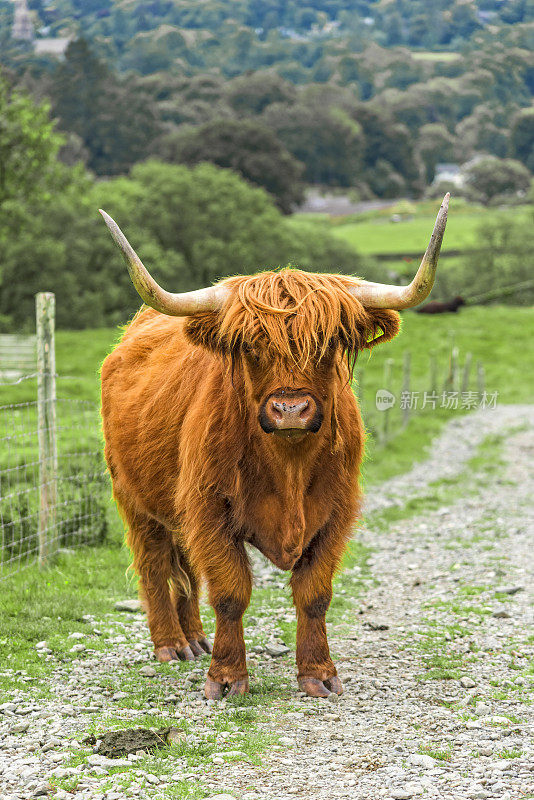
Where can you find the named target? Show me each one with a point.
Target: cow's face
(292, 364)
(289, 401)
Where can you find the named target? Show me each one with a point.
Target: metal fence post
(45, 305)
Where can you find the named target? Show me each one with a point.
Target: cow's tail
(181, 583)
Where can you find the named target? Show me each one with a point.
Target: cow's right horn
(175, 305)
(381, 295)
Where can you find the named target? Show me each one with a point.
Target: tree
(479, 132)
(115, 120)
(59, 247)
(522, 138)
(248, 148)
(251, 94)
(490, 177)
(464, 21)
(435, 144)
(153, 48)
(389, 148)
(210, 216)
(393, 27)
(501, 260)
(190, 226)
(28, 146)
(327, 141)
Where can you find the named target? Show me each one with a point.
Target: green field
(485, 332)
(431, 55)
(374, 233)
(79, 355)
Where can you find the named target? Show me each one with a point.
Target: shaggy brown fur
(196, 477)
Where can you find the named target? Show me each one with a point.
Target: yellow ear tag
(378, 332)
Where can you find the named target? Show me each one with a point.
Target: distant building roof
(449, 172)
(51, 47)
(486, 16)
(452, 169)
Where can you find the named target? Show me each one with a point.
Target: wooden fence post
(359, 384)
(433, 363)
(406, 367)
(466, 372)
(481, 379)
(455, 355)
(45, 304)
(388, 366)
(451, 381)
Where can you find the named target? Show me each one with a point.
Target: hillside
(304, 41)
(367, 95)
(371, 100)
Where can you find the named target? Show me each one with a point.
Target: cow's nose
(293, 411)
(295, 414)
(283, 413)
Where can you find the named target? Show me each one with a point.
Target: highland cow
(230, 422)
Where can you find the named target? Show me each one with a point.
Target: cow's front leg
(311, 584)
(229, 578)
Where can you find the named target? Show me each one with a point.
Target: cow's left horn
(382, 295)
(176, 305)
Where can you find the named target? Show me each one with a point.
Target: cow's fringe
(299, 316)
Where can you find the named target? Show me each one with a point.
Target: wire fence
(54, 488)
(450, 381)
(77, 494)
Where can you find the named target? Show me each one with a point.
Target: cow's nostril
(277, 410)
(304, 409)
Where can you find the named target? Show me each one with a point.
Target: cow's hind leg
(185, 594)
(153, 551)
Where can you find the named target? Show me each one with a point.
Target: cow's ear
(382, 325)
(204, 330)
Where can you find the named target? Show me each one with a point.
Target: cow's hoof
(169, 653)
(195, 647)
(186, 654)
(334, 684)
(215, 690)
(238, 687)
(165, 654)
(200, 646)
(313, 687)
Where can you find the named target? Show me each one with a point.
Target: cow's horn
(176, 305)
(381, 295)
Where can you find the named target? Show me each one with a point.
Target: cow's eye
(247, 349)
